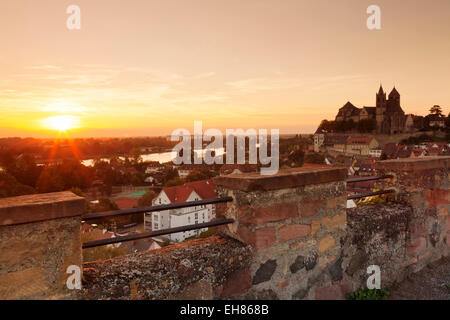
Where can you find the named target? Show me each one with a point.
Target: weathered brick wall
(424, 185)
(403, 235)
(39, 239)
(295, 222)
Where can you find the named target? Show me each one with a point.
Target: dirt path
(431, 283)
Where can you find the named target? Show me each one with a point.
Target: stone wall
(196, 269)
(422, 184)
(39, 239)
(295, 222)
(405, 234)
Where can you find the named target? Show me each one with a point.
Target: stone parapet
(39, 238)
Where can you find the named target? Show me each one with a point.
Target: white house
(192, 191)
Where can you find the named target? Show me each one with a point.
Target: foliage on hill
(422, 138)
(363, 126)
(10, 187)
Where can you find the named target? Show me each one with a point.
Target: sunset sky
(148, 67)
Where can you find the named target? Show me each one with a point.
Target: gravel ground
(431, 283)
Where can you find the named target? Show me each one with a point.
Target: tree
(366, 125)
(146, 199)
(104, 204)
(436, 110)
(174, 182)
(315, 158)
(10, 187)
(169, 174)
(50, 180)
(197, 175)
(296, 157)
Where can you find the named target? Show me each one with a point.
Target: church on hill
(388, 114)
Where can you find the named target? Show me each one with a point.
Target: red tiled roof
(315, 165)
(126, 203)
(360, 140)
(204, 188)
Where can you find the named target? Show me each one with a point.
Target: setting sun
(61, 123)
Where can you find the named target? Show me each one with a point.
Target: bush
(146, 199)
(208, 233)
(368, 294)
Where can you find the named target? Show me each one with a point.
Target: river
(160, 157)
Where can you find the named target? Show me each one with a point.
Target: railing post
(39, 240)
(294, 221)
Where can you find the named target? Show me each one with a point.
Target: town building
(388, 114)
(347, 145)
(192, 191)
(360, 146)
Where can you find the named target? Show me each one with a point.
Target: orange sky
(148, 67)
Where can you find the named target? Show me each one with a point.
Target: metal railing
(369, 194)
(216, 222)
(116, 213)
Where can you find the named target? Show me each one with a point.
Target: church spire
(394, 93)
(381, 91)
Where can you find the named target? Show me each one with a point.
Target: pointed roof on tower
(381, 91)
(394, 93)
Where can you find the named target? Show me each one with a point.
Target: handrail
(96, 215)
(149, 234)
(369, 178)
(369, 194)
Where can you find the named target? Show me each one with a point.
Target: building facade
(192, 191)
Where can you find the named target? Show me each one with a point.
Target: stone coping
(40, 207)
(414, 164)
(286, 178)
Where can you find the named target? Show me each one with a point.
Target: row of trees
(421, 123)
(67, 174)
(363, 126)
(87, 148)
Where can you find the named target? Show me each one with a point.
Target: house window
(189, 219)
(155, 226)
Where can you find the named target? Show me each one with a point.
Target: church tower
(380, 108)
(394, 99)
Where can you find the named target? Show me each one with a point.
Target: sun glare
(61, 123)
